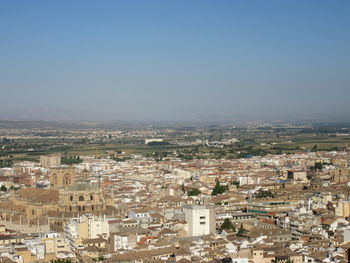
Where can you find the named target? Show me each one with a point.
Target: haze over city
(174, 60)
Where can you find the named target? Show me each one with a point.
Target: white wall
(199, 219)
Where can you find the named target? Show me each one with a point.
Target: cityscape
(174, 131)
(258, 193)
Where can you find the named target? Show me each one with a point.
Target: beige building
(48, 161)
(52, 207)
(207, 179)
(343, 208)
(29, 203)
(341, 174)
(83, 198)
(26, 255)
(2, 229)
(297, 175)
(86, 227)
(55, 244)
(62, 176)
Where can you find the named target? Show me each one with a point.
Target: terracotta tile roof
(39, 195)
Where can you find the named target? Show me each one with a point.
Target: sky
(177, 60)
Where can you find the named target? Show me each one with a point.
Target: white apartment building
(200, 220)
(124, 241)
(86, 227)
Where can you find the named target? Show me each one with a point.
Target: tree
(236, 183)
(100, 258)
(61, 261)
(71, 160)
(241, 231)
(219, 189)
(5, 163)
(227, 224)
(194, 192)
(318, 166)
(183, 187)
(264, 194)
(226, 260)
(3, 188)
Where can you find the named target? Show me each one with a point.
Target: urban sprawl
(174, 195)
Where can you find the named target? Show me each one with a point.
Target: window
(202, 223)
(71, 198)
(202, 217)
(91, 197)
(81, 198)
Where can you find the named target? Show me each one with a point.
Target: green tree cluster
(264, 194)
(5, 163)
(119, 159)
(186, 157)
(71, 160)
(219, 189)
(194, 192)
(236, 183)
(227, 224)
(318, 166)
(158, 143)
(61, 261)
(241, 231)
(100, 258)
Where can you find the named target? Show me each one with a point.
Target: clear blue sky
(174, 60)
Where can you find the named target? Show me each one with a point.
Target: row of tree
(218, 189)
(71, 160)
(264, 194)
(5, 163)
(3, 188)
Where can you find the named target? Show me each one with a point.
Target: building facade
(200, 220)
(62, 176)
(48, 161)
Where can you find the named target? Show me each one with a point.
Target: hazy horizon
(174, 60)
